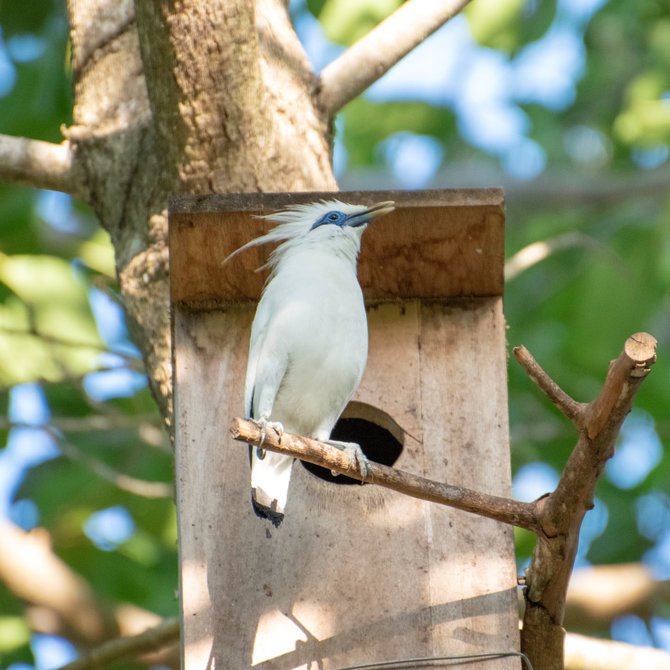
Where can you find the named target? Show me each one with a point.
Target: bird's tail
(270, 477)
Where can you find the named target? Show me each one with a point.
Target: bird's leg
(264, 423)
(354, 450)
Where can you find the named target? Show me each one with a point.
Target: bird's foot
(356, 453)
(266, 425)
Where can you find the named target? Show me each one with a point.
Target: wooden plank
(464, 405)
(437, 244)
(254, 202)
(209, 362)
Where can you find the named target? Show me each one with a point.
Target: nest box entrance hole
(379, 436)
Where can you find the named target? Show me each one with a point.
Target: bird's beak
(370, 213)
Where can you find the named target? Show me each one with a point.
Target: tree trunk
(186, 97)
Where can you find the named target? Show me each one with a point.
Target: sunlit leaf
(508, 24)
(346, 21)
(47, 330)
(98, 253)
(14, 633)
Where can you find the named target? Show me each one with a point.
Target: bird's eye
(333, 216)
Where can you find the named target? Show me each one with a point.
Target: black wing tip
(264, 512)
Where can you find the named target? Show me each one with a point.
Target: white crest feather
(293, 223)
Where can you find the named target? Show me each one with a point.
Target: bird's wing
(268, 360)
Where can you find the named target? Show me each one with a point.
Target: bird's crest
(292, 223)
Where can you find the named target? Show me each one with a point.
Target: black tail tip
(264, 512)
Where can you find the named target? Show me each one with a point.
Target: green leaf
(14, 633)
(346, 21)
(507, 25)
(47, 330)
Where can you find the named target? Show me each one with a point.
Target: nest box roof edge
(437, 244)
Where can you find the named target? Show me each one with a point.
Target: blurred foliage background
(565, 103)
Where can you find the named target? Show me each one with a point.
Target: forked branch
(598, 423)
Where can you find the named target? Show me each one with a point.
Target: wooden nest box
(355, 574)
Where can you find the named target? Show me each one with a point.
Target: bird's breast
(322, 322)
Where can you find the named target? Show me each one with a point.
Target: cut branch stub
(632, 365)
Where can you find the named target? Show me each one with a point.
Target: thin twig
(572, 409)
(88, 424)
(123, 482)
(501, 509)
(127, 483)
(151, 639)
(536, 252)
(41, 164)
(369, 58)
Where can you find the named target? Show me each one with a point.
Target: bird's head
(342, 215)
(323, 222)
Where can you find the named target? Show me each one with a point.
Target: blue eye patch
(335, 218)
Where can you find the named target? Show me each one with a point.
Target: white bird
(309, 339)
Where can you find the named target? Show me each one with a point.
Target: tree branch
(369, 58)
(536, 252)
(493, 507)
(134, 362)
(600, 593)
(35, 574)
(122, 481)
(572, 409)
(55, 428)
(41, 165)
(152, 639)
(59, 600)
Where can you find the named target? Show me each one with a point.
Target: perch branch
(375, 53)
(562, 512)
(41, 165)
(493, 507)
(131, 646)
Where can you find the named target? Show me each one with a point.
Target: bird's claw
(356, 453)
(264, 425)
